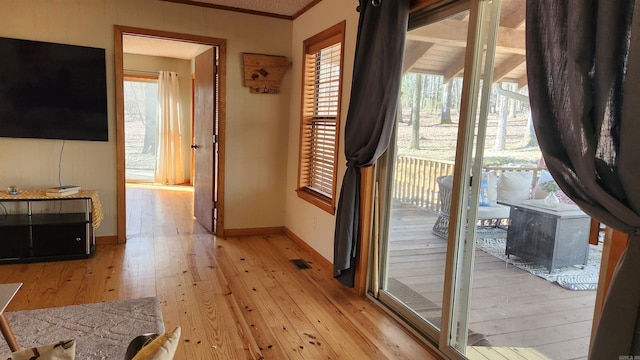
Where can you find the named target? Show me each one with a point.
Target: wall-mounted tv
(52, 91)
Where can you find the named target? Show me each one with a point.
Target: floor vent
(300, 264)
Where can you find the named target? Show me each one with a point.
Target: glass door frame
(477, 81)
(481, 35)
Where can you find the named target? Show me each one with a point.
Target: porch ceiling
(439, 48)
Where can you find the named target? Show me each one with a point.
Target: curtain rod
(142, 71)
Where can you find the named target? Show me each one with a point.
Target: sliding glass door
(458, 255)
(426, 237)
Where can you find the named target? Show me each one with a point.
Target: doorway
(212, 191)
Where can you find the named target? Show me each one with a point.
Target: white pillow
(514, 185)
(62, 350)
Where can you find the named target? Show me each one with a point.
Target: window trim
(331, 36)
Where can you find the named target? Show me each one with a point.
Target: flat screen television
(52, 91)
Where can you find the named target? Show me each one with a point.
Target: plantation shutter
(320, 118)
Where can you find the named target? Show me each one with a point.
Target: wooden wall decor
(262, 73)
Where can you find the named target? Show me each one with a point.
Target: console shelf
(34, 227)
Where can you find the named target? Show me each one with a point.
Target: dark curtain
(377, 73)
(583, 67)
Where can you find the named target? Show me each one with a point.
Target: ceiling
(434, 49)
(439, 48)
(287, 9)
(142, 45)
(278, 8)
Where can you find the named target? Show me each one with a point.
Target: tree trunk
(501, 134)
(415, 114)
(150, 113)
(445, 115)
(434, 92)
(512, 102)
(530, 139)
(407, 95)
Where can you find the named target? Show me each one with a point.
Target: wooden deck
(509, 306)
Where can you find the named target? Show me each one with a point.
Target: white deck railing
(415, 179)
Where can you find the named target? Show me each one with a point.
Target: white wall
(313, 225)
(257, 125)
(183, 68)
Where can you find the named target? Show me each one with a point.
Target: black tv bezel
(82, 68)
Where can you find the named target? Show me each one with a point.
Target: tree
(151, 110)
(433, 85)
(512, 103)
(407, 94)
(415, 114)
(445, 115)
(501, 134)
(530, 139)
(140, 101)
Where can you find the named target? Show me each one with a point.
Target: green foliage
(549, 186)
(432, 88)
(505, 160)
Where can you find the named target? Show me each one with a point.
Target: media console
(36, 227)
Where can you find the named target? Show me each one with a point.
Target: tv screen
(52, 91)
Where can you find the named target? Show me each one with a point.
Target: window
(140, 110)
(320, 123)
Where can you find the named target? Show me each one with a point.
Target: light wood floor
(509, 306)
(235, 298)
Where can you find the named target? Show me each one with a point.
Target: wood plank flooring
(235, 298)
(511, 307)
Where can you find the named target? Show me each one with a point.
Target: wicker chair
(491, 219)
(441, 227)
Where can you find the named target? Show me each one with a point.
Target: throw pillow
(62, 350)
(161, 348)
(514, 185)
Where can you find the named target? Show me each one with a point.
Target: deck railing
(415, 179)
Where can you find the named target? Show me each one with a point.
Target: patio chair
(490, 218)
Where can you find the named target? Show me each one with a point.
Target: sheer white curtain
(169, 160)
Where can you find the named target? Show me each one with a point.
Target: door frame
(443, 339)
(119, 31)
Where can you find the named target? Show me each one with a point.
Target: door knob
(194, 146)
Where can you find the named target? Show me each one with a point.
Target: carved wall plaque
(262, 73)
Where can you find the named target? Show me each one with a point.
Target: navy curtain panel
(583, 68)
(377, 74)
